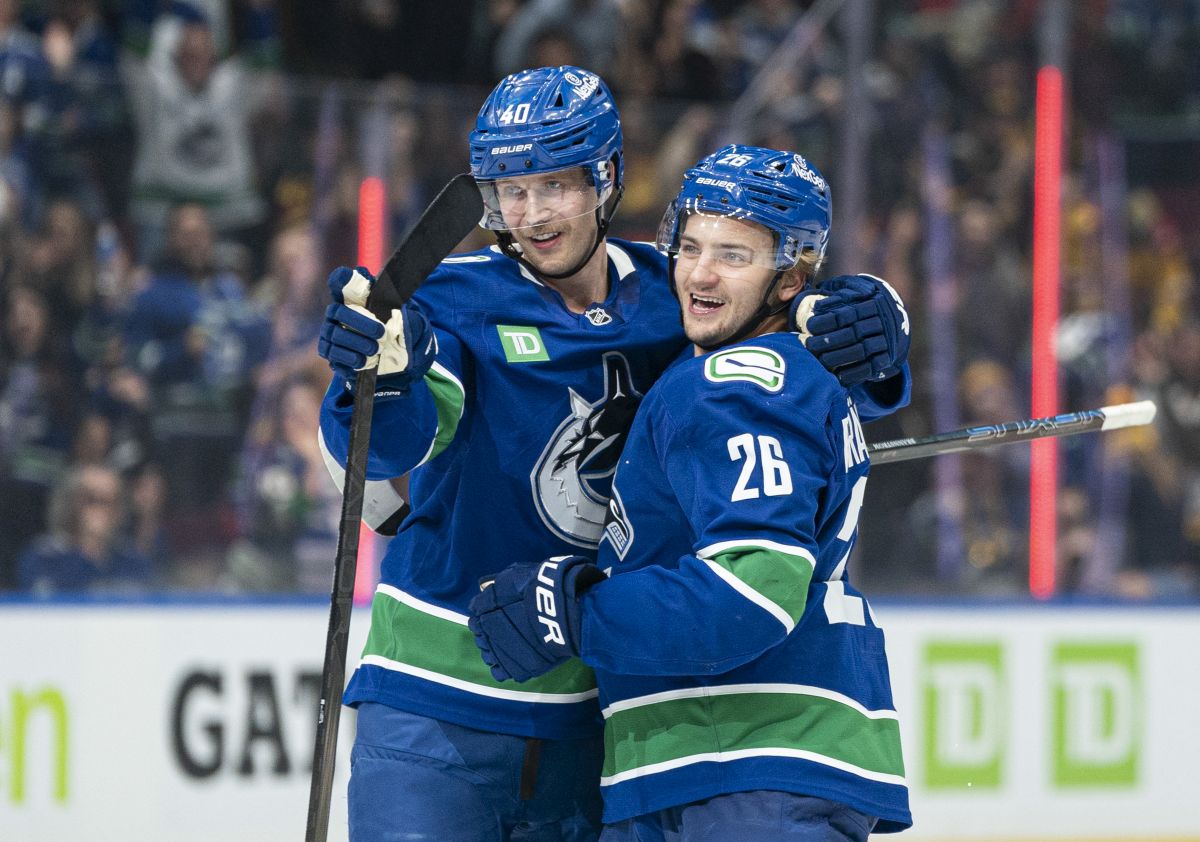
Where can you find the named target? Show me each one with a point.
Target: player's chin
(700, 334)
(543, 263)
(554, 261)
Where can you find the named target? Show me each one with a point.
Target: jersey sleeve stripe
(381, 500)
(778, 575)
(449, 398)
(789, 549)
(754, 596)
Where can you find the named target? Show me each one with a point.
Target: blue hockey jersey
(517, 433)
(730, 650)
(516, 430)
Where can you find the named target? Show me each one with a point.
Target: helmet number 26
(735, 160)
(518, 114)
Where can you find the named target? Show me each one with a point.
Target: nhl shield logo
(598, 316)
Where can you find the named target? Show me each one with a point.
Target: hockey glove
(352, 339)
(855, 325)
(527, 621)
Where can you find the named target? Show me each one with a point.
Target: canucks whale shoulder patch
(751, 363)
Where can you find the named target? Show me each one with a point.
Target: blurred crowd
(177, 178)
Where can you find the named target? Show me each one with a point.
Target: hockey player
(742, 678)
(506, 388)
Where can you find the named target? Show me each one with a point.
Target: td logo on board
(1092, 703)
(1097, 714)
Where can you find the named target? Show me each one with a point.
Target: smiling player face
(721, 274)
(551, 216)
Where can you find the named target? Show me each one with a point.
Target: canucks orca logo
(618, 530)
(573, 477)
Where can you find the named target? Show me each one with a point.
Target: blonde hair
(807, 266)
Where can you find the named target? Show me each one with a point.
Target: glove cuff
(572, 577)
(580, 576)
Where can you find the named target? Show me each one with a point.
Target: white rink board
(1130, 735)
(120, 671)
(977, 690)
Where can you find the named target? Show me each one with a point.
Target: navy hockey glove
(352, 339)
(526, 622)
(855, 325)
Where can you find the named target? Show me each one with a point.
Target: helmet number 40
(517, 114)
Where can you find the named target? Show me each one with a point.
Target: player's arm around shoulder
(859, 329)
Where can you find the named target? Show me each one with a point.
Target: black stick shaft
(448, 219)
(333, 673)
(971, 438)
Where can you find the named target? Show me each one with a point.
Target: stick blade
(1128, 415)
(450, 217)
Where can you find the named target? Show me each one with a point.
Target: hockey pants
(757, 816)
(417, 778)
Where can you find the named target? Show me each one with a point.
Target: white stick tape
(1128, 415)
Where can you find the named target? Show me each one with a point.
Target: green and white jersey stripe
(647, 735)
(449, 398)
(414, 637)
(773, 576)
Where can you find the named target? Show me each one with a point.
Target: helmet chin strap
(509, 247)
(764, 311)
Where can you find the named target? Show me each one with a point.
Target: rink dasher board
(1030, 722)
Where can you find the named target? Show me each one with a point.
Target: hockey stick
(971, 438)
(449, 218)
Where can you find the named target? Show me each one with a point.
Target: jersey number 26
(775, 478)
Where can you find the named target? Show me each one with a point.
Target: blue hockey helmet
(544, 120)
(780, 191)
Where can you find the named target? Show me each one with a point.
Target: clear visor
(726, 242)
(526, 202)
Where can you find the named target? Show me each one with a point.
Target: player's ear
(791, 283)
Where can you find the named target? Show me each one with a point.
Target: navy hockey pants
(757, 816)
(417, 778)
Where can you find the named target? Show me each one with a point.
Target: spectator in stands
(292, 509)
(594, 27)
(80, 147)
(16, 179)
(86, 549)
(62, 262)
(196, 338)
(1157, 559)
(294, 293)
(147, 505)
(682, 44)
(24, 75)
(994, 276)
(193, 116)
(39, 403)
(1173, 473)
(989, 507)
(759, 27)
